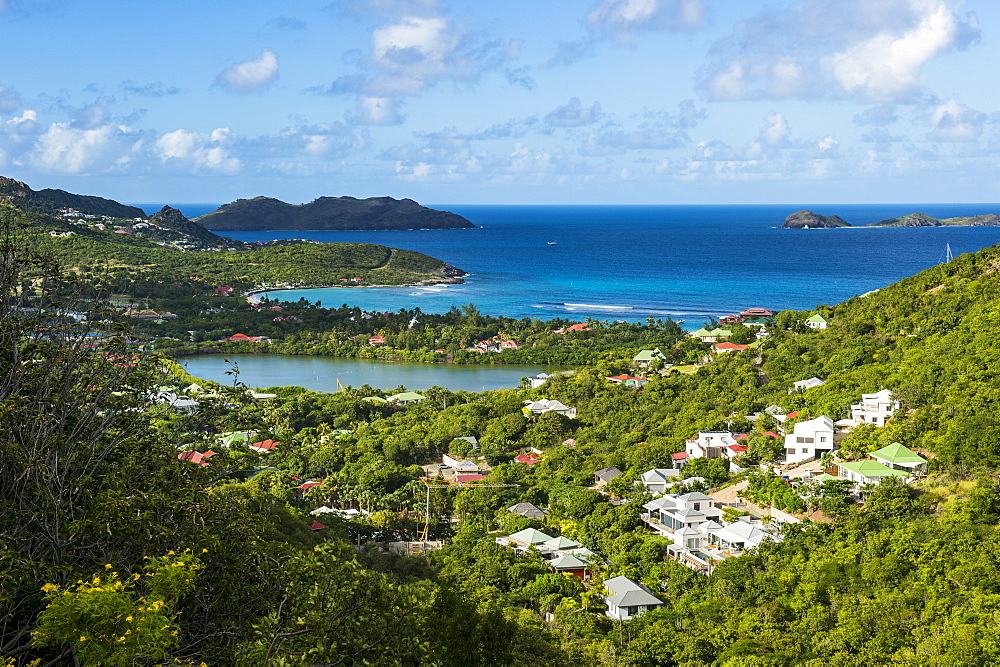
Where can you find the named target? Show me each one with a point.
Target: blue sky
(591, 102)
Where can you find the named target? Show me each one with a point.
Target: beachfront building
(809, 439)
(874, 408)
(817, 321)
(627, 599)
(536, 381)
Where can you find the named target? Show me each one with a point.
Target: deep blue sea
(630, 262)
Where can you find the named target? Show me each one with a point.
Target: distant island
(329, 214)
(810, 220)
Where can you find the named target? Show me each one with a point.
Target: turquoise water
(322, 373)
(632, 262)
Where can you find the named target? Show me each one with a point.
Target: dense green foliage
(908, 577)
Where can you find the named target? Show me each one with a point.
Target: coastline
(251, 295)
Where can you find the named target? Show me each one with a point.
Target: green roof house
(646, 357)
(700, 333)
(898, 457)
(817, 321)
(406, 398)
(867, 472)
(528, 537)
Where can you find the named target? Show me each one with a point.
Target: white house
(867, 472)
(627, 598)
(817, 321)
(537, 381)
(544, 405)
(874, 408)
(701, 538)
(898, 457)
(681, 517)
(657, 480)
(809, 439)
(713, 444)
(802, 385)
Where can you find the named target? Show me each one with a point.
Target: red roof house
(316, 525)
(528, 459)
(462, 479)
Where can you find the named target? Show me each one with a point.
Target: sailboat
(947, 253)
(552, 242)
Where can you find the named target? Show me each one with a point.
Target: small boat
(552, 242)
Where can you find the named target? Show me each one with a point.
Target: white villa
(802, 385)
(701, 538)
(874, 408)
(898, 457)
(867, 472)
(544, 405)
(817, 321)
(809, 439)
(627, 598)
(658, 480)
(713, 444)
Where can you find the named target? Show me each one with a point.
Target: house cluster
(751, 317)
(893, 460)
(495, 344)
(563, 554)
(581, 326)
(701, 537)
(243, 338)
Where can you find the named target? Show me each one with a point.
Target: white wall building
(809, 439)
(874, 408)
(627, 598)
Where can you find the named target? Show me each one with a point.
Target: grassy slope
(312, 264)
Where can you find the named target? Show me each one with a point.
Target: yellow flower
(48, 588)
(171, 553)
(128, 618)
(108, 566)
(204, 551)
(82, 638)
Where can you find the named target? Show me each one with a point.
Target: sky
(514, 102)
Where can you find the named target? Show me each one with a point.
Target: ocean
(633, 262)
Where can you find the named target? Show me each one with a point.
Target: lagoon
(632, 262)
(321, 373)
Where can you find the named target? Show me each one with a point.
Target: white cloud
(66, 149)
(775, 130)
(198, 151)
(572, 114)
(953, 121)
(375, 111)
(415, 52)
(622, 18)
(250, 76)
(9, 100)
(868, 50)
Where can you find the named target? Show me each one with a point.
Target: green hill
(128, 261)
(330, 213)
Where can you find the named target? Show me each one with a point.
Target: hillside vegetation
(135, 265)
(94, 493)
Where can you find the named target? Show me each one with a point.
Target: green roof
(701, 332)
(649, 355)
(406, 396)
(721, 332)
(530, 536)
(898, 454)
(825, 477)
(817, 318)
(871, 469)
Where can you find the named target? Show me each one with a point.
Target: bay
(633, 262)
(322, 373)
